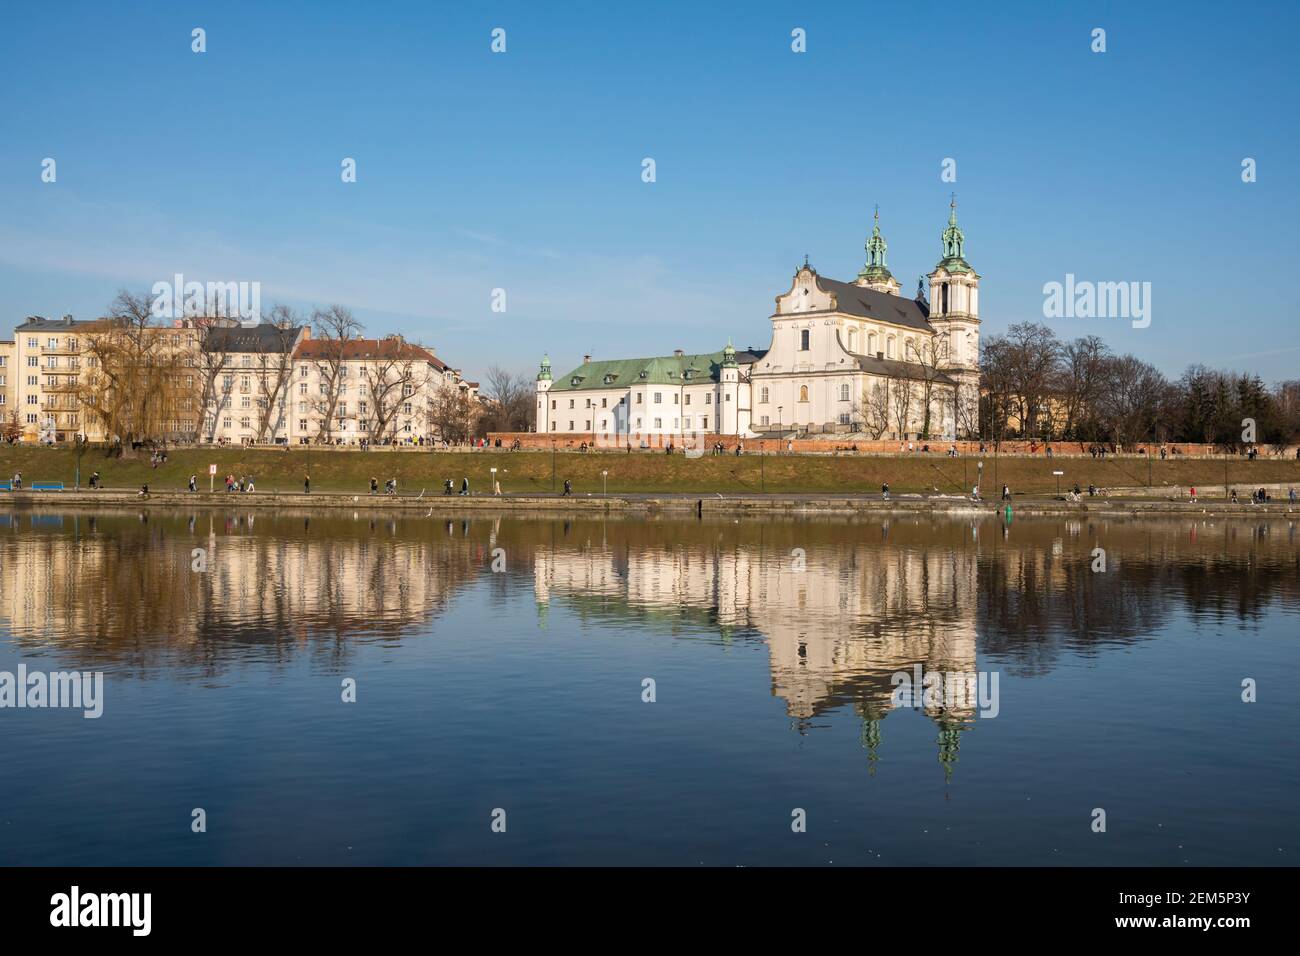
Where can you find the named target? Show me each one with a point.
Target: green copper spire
(875, 270)
(729, 356)
(954, 240)
(544, 374)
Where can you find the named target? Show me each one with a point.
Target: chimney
(586, 360)
(67, 320)
(880, 355)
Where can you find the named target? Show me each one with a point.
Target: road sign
(212, 469)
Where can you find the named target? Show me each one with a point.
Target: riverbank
(754, 505)
(344, 471)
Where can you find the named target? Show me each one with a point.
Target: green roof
(624, 373)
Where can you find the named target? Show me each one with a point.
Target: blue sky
(522, 170)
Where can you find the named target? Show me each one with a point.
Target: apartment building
(374, 391)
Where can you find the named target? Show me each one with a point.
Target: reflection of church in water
(836, 631)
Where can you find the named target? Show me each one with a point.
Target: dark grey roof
(749, 356)
(895, 368)
(38, 323)
(855, 300)
(262, 338)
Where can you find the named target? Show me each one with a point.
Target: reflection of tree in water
(1036, 602)
(121, 589)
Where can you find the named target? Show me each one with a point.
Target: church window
(889, 347)
(844, 393)
(803, 393)
(871, 343)
(803, 340)
(943, 300)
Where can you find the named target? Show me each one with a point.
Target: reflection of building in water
(836, 631)
(133, 590)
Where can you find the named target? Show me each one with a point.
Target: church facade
(846, 358)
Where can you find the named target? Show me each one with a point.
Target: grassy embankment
(531, 472)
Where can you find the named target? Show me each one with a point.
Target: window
(570, 425)
(844, 393)
(570, 403)
(675, 398)
(659, 397)
(659, 423)
(803, 340)
(803, 393)
(704, 422)
(763, 420)
(708, 398)
(853, 339)
(688, 400)
(586, 426)
(604, 403)
(762, 395)
(638, 399)
(33, 361)
(302, 424)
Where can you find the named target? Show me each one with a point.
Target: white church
(846, 359)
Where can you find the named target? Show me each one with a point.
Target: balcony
(61, 350)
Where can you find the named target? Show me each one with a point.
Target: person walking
(306, 484)
(374, 485)
(1006, 493)
(884, 491)
(1193, 494)
(94, 480)
(464, 486)
(1290, 494)
(568, 489)
(194, 481)
(448, 486)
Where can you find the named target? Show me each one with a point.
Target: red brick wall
(572, 441)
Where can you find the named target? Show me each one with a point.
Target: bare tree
(874, 408)
(901, 394)
(135, 386)
(1080, 379)
(507, 401)
(390, 378)
(927, 354)
(450, 414)
(274, 369)
(335, 330)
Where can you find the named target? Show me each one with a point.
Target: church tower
(729, 379)
(875, 274)
(543, 387)
(955, 318)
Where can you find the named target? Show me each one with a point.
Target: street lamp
(979, 470)
(80, 439)
(494, 480)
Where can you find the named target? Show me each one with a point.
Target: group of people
(390, 486)
(449, 487)
(232, 484)
(1257, 497)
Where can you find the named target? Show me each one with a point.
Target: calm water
(522, 690)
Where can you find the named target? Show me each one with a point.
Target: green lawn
(525, 472)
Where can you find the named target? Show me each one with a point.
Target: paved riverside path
(755, 504)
